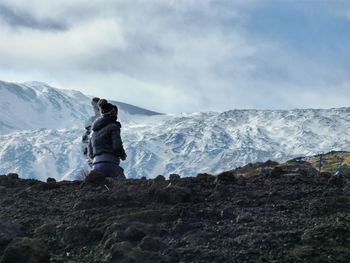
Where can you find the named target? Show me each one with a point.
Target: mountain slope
(187, 144)
(43, 153)
(24, 107)
(35, 105)
(156, 144)
(212, 142)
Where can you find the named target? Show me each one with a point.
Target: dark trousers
(109, 169)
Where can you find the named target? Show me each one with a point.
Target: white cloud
(32, 47)
(166, 55)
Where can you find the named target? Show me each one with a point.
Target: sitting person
(89, 122)
(105, 144)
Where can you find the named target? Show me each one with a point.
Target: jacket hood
(103, 122)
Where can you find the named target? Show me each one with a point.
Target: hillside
(333, 162)
(41, 129)
(285, 213)
(330, 162)
(36, 105)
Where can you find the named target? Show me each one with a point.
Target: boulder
(26, 250)
(277, 172)
(204, 177)
(157, 183)
(12, 176)
(122, 252)
(336, 180)
(173, 195)
(45, 230)
(182, 227)
(327, 235)
(50, 180)
(9, 231)
(174, 178)
(325, 175)
(226, 177)
(152, 244)
(133, 233)
(159, 178)
(307, 171)
(334, 202)
(80, 235)
(95, 178)
(10, 181)
(269, 163)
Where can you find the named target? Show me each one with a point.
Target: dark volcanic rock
(26, 250)
(328, 234)
(204, 177)
(133, 233)
(226, 177)
(269, 163)
(96, 179)
(159, 178)
(51, 180)
(259, 213)
(77, 235)
(12, 176)
(173, 195)
(46, 230)
(277, 172)
(174, 178)
(123, 252)
(152, 244)
(336, 180)
(9, 231)
(346, 190)
(9, 181)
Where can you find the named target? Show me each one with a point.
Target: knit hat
(107, 109)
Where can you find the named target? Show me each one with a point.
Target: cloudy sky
(183, 55)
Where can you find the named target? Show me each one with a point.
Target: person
(105, 146)
(88, 124)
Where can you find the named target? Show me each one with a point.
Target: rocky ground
(273, 213)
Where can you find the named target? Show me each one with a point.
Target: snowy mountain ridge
(215, 142)
(36, 105)
(24, 107)
(157, 144)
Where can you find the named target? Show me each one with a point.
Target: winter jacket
(105, 144)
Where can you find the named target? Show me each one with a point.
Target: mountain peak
(34, 84)
(35, 105)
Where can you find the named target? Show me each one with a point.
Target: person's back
(105, 145)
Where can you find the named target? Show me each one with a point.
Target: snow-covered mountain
(158, 144)
(214, 142)
(35, 105)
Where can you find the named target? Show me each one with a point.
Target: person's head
(94, 103)
(95, 100)
(107, 109)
